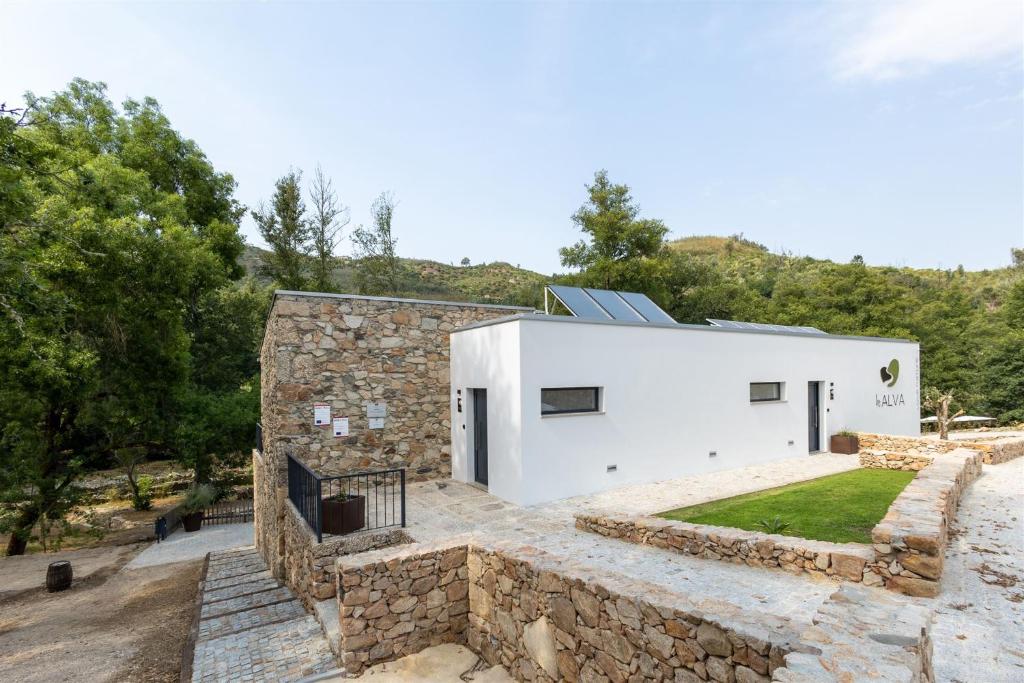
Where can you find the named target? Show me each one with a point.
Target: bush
(775, 525)
(143, 500)
(199, 496)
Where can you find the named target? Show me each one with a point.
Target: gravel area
(181, 546)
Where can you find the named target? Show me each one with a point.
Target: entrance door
(814, 416)
(480, 436)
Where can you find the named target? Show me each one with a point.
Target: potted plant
(343, 513)
(845, 442)
(196, 498)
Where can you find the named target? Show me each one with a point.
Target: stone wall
(994, 449)
(348, 351)
(309, 566)
(885, 460)
(547, 618)
(398, 602)
(842, 561)
(910, 541)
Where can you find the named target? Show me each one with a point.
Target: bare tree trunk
(18, 541)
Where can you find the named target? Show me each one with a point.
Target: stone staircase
(251, 628)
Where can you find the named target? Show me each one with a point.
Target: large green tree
(284, 227)
(378, 270)
(622, 251)
(114, 232)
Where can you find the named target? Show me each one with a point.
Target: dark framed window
(570, 400)
(765, 391)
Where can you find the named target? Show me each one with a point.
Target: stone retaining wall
(994, 450)
(397, 602)
(887, 460)
(309, 566)
(910, 541)
(844, 561)
(547, 618)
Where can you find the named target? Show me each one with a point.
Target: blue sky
(889, 130)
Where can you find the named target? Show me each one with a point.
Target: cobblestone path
(253, 629)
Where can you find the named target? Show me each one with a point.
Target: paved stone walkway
(439, 510)
(253, 629)
(181, 546)
(979, 624)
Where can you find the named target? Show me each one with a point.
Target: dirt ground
(113, 624)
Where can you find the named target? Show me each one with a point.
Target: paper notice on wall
(321, 414)
(340, 425)
(377, 409)
(376, 423)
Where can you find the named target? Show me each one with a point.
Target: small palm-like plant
(775, 525)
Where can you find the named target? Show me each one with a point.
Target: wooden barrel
(58, 576)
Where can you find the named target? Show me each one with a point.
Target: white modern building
(552, 406)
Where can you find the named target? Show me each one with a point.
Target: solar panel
(764, 327)
(603, 304)
(647, 308)
(579, 303)
(615, 305)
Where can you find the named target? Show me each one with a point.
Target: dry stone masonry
(548, 618)
(887, 460)
(994, 448)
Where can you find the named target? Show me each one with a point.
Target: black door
(813, 416)
(480, 436)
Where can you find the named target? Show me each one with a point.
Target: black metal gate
(228, 512)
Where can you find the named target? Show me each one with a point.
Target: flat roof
(540, 317)
(430, 302)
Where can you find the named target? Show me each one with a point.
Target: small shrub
(845, 432)
(143, 500)
(199, 496)
(775, 525)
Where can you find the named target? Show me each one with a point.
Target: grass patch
(841, 508)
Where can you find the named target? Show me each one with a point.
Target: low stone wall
(994, 450)
(399, 601)
(268, 514)
(547, 618)
(887, 460)
(845, 561)
(910, 541)
(309, 566)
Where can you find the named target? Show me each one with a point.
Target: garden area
(840, 508)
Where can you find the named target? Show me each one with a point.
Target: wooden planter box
(192, 521)
(844, 444)
(343, 514)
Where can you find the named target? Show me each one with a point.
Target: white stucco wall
(670, 397)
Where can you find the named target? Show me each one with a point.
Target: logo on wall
(891, 373)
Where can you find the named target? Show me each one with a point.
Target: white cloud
(894, 40)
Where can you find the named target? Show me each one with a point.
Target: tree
(465, 261)
(622, 251)
(378, 268)
(326, 224)
(285, 229)
(115, 228)
(939, 403)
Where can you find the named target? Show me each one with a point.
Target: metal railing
(370, 500)
(259, 438)
(228, 512)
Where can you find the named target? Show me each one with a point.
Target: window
(765, 391)
(570, 400)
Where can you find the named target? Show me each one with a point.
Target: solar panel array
(764, 327)
(604, 304)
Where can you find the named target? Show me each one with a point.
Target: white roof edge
(540, 317)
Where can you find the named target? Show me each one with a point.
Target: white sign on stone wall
(340, 426)
(376, 423)
(321, 414)
(378, 409)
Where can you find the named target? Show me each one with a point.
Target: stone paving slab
(240, 589)
(287, 651)
(236, 622)
(182, 546)
(230, 571)
(244, 602)
(214, 584)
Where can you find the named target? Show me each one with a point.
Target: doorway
(813, 417)
(480, 436)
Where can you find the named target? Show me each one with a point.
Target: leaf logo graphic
(891, 373)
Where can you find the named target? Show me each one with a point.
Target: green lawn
(842, 508)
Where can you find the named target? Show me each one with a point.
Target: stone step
(286, 651)
(239, 589)
(239, 567)
(236, 622)
(215, 583)
(326, 613)
(244, 602)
